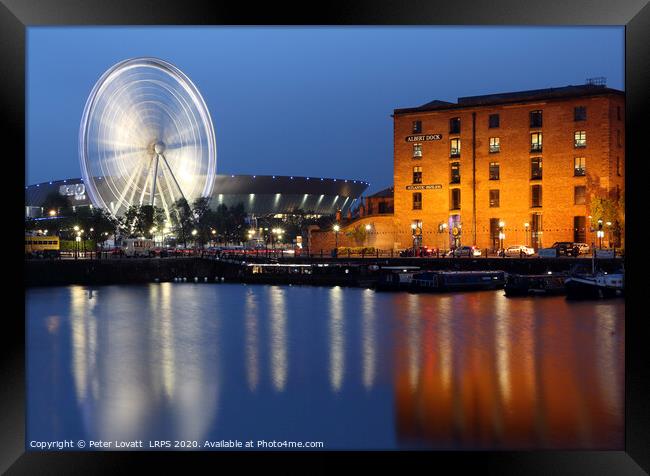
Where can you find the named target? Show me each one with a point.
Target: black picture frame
(17, 15)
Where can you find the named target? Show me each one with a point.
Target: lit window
(417, 127)
(494, 198)
(536, 168)
(580, 195)
(580, 139)
(417, 201)
(455, 172)
(493, 121)
(495, 145)
(580, 113)
(494, 170)
(454, 148)
(417, 174)
(579, 167)
(536, 142)
(417, 151)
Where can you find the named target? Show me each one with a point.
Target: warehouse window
(417, 201)
(580, 113)
(580, 139)
(417, 127)
(535, 119)
(536, 196)
(580, 195)
(579, 167)
(536, 168)
(494, 170)
(454, 148)
(536, 142)
(618, 166)
(494, 198)
(417, 151)
(580, 229)
(493, 121)
(454, 125)
(495, 145)
(417, 174)
(455, 199)
(455, 172)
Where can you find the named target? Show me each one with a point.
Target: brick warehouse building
(529, 160)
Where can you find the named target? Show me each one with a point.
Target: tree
(57, 202)
(609, 210)
(204, 219)
(182, 220)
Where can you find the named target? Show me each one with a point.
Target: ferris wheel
(146, 138)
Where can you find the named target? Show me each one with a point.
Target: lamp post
(600, 233)
(609, 233)
(526, 225)
(416, 227)
(336, 229)
(502, 236)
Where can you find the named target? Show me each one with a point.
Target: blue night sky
(304, 101)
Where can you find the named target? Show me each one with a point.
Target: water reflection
(336, 333)
(458, 371)
(369, 336)
(546, 378)
(278, 337)
(252, 341)
(127, 370)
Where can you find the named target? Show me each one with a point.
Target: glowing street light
(52, 213)
(336, 229)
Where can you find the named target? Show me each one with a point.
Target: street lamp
(336, 235)
(609, 233)
(417, 233)
(502, 235)
(600, 233)
(526, 225)
(52, 213)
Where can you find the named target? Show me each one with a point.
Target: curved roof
(260, 194)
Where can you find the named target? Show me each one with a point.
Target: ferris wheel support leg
(155, 176)
(173, 176)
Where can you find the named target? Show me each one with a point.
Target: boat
(429, 281)
(597, 285)
(549, 284)
(395, 278)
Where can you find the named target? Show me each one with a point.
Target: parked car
(470, 251)
(583, 248)
(563, 247)
(517, 250)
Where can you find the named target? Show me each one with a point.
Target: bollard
(184, 280)
(205, 280)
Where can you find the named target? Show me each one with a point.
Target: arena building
(261, 195)
(504, 169)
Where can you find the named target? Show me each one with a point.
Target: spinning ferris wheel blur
(146, 138)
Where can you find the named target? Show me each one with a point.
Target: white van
(137, 246)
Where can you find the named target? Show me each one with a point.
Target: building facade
(513, 168)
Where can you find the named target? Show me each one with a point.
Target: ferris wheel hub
(159, 147)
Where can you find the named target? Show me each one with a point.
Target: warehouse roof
(514, 97)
